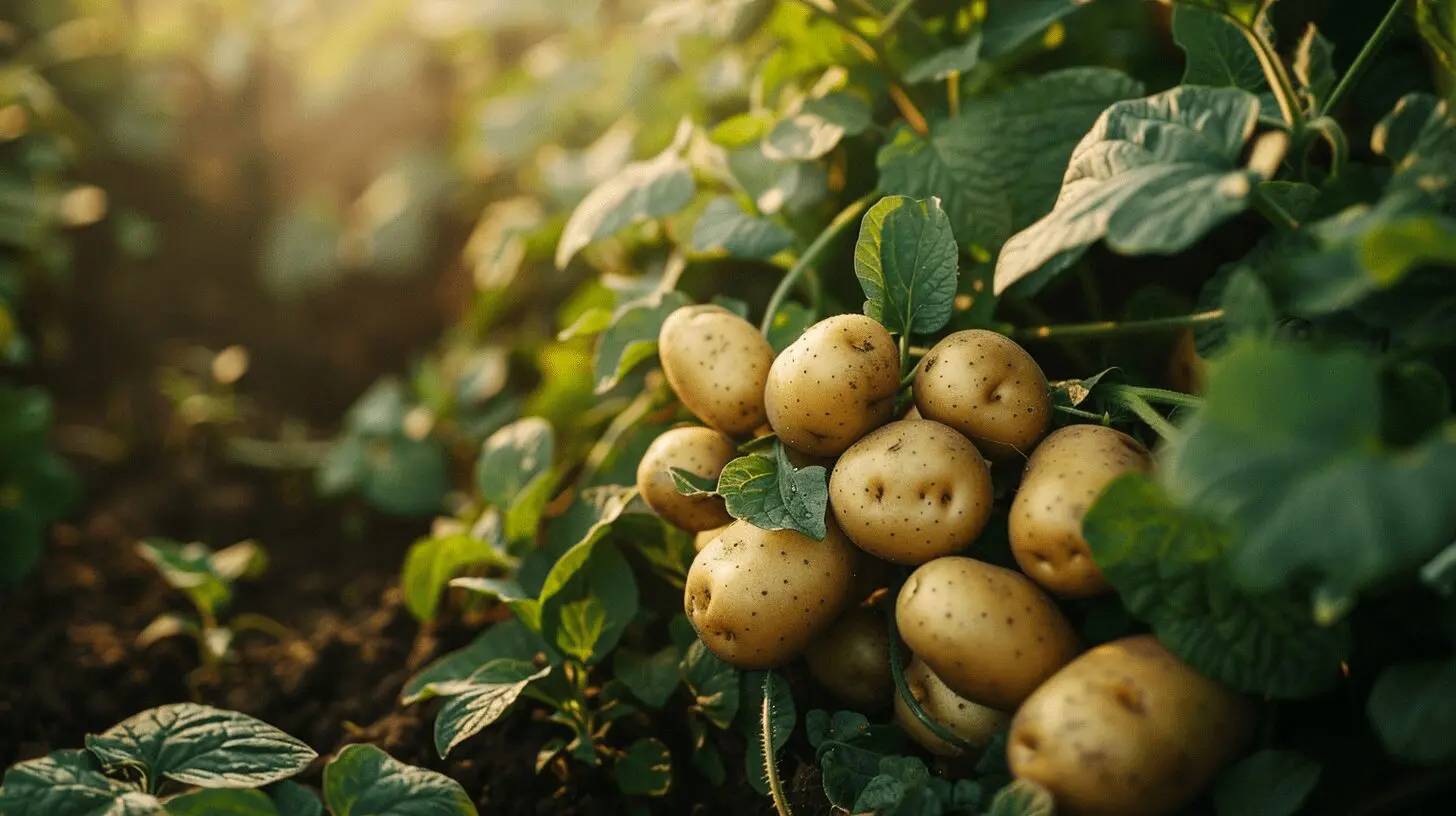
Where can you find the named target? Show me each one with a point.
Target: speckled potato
(833, 385)
(716, 363)
(1127, 728)
(911, 491)
(852, 659)
(970, 721)
(757, 597)
(700, 451)
(1063, 477)
(703, 538)
(988, 388)
(988, 633)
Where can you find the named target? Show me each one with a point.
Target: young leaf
(430, 563)
(632, 338)
(365, 781)
(713, 683)
(770, 493)
(1219, 55)
(512, 458)
(1166, 564)
(589, 598)
(1419, 139)
(1314, 67)
(70, 783)
(1267, 783)
(817, 126)
(1153, 176)
(905, 260)
(200, 745)
(231, 802)
(405, 476)
(189, 568)
(293, 799)
(485, 696)
(591, 516)
(645, 769)
(688, 483)
(651, 678)
(1413, 709)
(449, 674)
(954, 60)
(725, 227)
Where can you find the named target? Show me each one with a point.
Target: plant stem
(904, 351)
(1078, 412)
(902, 688)
(953, 93)
(1278, 77)
(888, 24)
(1334, 136)
(770, 762)
(1148, 414)
(1113, 328)
(1158, 395)
(846, 217)
(1272, 210)
(1365, 57)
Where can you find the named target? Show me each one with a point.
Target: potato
(1065, 474)
(970, 721)
(911, 491)
(716, 363)
(703, 538)
(988, 388)
(852, 658)
(833, 385)
(1127, 728)
(988, 633)
(700, 451)
(757, 597)
(1187, 369)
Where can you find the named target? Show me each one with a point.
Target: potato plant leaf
(486, 695)
(589, 598)
(1418, 137)
(1314, 67)
(365, 781)
(189, 568)
(905, 260)
(1009, 25)
(200, 745)
(1153, 176)
(817, 126)
(725, 227)
(232, 802)
(70, 783)
(1413, 709)
(448, 675)
(645, 769)
(1219, 54)
(652, 678)
(1266, 783)
(431, 563)
(1022, 798)
(292, 799)
(512, 458)
(770, 493)
(688, 483)
(632, 338)
(1247, 12)
(713, 684)
(790, 322)
(957, 59)
(1166, 564)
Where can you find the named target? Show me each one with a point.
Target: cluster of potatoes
(1122, 728)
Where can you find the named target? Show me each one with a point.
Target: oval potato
(1127, 728)
(970, 721)
(757, 597)
(700, 451)
(833, 385)
(717, 364)
(988, 633)
(1065, 474)
(852, 658)
(987, 387)
(911, 491)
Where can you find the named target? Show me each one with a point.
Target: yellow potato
(852, 658)
(833, 385)
(988, 388)
(988, 633)
(1063, 477)
(716, 363)
(911, 491)
(757, 597)
(1187, 370)
(970, 721)
(1127, 728)
(703, 538)
(700, 451)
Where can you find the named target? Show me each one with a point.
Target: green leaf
(484, 697)
(713, 684)
(589, 598)
(1314, 67)
(404, 476)
(591, 516)
(1267, 783)
(293, 799)
(1022, 798)
(1009, 25)
(509, 640)
(790, 322)
(1418, 137)
(1295, 197)
(782, 718)
(957, 59)
(645, 769)
(688, 483)
(777, 185)
(589, 323)
(231, 802)
(1167, 565)
(905, 260)
(1153, 176)
(1413, 709)
(189, 567)
(997, 167)
(512, 458)
(523, 519)
(652, 678)
(200, 745)
(632, 338)
(69, 783)
(705, 757)
(430, 563)
(770, 493)
(1436, 20)
(817, 126)
(725, 227)
(1247, 307)
(641, 191)
(1219, 55)
(582, 623)
(1248, 12)
(365, 781)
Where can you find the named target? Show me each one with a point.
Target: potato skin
(970, 721)
(911, 491)
(716, 363)
(987, 387)
(1065, 474)
(852, 658)
(701, 451)
(703, 538)
(757, 597)
(1127, 728)
(833, 385)
(1187, 370)
(988, 633)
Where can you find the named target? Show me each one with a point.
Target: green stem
(811, 255)
(1272, 210)
(1078, 412)
(1330, 130)
(1113, 328)
(1159, 395)
(1279, 82)
(770, 761)
(876, 51)
(1366, 56)
(902, 688)
(888, 24)
(1148, 414)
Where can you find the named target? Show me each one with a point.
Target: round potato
(970, 721)
(716, 363)
(700, 451)
(987, 387)
(1127, 728)
(911, 491)
(852, 658)
(757, 597)
(1065, 474)
(988, 633)
(833, 385)
(703, 538)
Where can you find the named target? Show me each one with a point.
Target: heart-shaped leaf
(365, 781)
